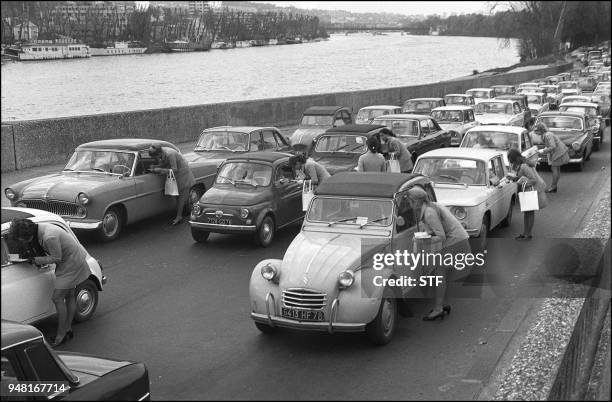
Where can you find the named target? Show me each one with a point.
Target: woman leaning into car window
(71, 268)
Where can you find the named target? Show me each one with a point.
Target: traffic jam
(359, 186)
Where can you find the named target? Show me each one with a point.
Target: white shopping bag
(528, 200)
(394, 165)
(307, 194)
(171, 186)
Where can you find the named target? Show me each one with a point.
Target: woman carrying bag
(528, 179)
(398, 152)
(555, 150)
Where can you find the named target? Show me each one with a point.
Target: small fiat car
(456, 120)
(326, 279)
(369, 113)
(458, 99)
(253, 193)
(27, 360)
(472, 183)
(26, 288)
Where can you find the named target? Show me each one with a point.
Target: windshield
(452, 170)
(354, 211)
(535, 99)
(589, 111)
(101, 161)
(504, 90)
(342, 143)
(562, 122)
(493, 107)
(250, 173)
(401, 128)
(420, 105)
(480, 94)
(490, 139)
(568, 85)
(317, 120)
(223, 140)
(455, 100)
(448, 116)
(370, 114)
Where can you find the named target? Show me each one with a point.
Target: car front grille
(304, 298)
(61, 208)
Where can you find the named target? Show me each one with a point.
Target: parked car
(502, 138)
(253, 193)
(420, 133)
(458, 99)
(537, 102)
(480, 94)
(553, 94)
(523, 103)
(472, 183)
(27, 359)
(422, 105)
(530, 85)
(570, 92)
(107, 184)
(369, 113)
(553, 79)
(456, 120)
(575, 98)
(27, 289)
(594, 119)
(316, 120)
(323, 282)
(572, 128)
(339, 148)
(504, 90)
(504, 112)
(568, 84)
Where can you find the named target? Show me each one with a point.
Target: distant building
(25, 32)
(198, 7)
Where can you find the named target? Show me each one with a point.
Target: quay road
(183, 309)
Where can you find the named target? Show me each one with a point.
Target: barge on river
(48, 50)
(118, 49)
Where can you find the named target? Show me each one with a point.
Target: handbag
(171, 187)
(307, 194)
(393, 165)
(528, 199)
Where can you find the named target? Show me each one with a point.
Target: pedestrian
(526, 174)
(556, 152)
(447, 235)
(71, 268)
(372, 161)
(397, 149)
(313, 171)
(170, 159)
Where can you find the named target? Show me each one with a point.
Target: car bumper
(227, 229)
(81, 225)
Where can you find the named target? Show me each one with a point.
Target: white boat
(243, 43)
(48, 50)
(119, 48)
(273, 41)
(221, 45)
(180, 46)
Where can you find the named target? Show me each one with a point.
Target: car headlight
(576, 146)
(346, 278)
(83, 198)
(269, 272)
(10, 194)
(196, 210)
(459, 212)
(244, 213)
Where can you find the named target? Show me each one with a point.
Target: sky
(396, 7)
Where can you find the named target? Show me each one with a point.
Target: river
(61, 88)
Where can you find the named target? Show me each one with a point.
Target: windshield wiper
(245, 182)
(375, 220)
(354, 218)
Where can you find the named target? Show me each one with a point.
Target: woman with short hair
(372, 161)
(556, 152)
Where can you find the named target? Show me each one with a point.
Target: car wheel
(86, 300)
(265, 328)
(111, 224)
(483, 238)
(199, 235)
(265, 232)
(508, 220)
(381, 330)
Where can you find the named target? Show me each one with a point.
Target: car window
(316, 120)
(339, 121)
(351, 211)
(452, 170)
(255, 141)
(401, 128)
(341, 143)
(491, 169)
(499, 169)
(424, 128)
(346, 117)
(471, 114)
(279, 139)
(283, 171)
(524, 145)
(105, 161)
(42, 363)
(268, 140)
(432, 126)
(143, 163)
(254, 174)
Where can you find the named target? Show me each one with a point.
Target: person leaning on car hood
(170, 159)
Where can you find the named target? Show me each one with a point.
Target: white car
(481, 94)
(502, 138)
(27, 289)
(457, 120)
(499, 112)
(472, 183)
(575, 98)
(369, 113)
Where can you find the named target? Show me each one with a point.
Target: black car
(26, 356)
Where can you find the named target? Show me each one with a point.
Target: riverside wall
(42, 142)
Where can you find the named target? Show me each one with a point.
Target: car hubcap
(110, 224)
(266, 232)
(387, 316)
(84, 301)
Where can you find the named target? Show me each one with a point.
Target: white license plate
(220, 221)
(302, 315)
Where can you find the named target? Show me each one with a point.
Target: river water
(60, 88)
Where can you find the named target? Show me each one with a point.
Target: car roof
(323, 110)
(558, 113)
(504, 129)
(470, 153)
(581, 104)
(239, 129)
(355, 128)
(498, 86)
(14, 333)
(35, 215)
(262, 156)
(386, 107)
(403, 116)
(457, 95)
(479, 89)
(531, 93)
(453, 107)
(423, 99)
(126, 144)
(364, 184)
(506, 101)
(511, 97)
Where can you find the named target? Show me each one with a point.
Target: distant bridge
(367, 28)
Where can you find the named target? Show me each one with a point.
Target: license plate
(220, 221)
(302, 315)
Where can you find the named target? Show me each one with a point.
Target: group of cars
(245, 184)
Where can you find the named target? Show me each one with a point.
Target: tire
(265, 328)
(508, 219)
(483, 238)
(112, 223)
(199, 235)
(265, 232)
(86, 300)
(382, 328)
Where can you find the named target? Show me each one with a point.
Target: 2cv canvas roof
(364, 184)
